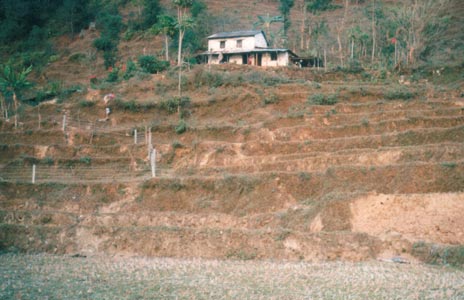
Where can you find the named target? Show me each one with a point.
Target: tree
(150, 13)
(12, 83)
(184, 22)
(166, 25)
(74, 13)
(314, 7)
(266, 21)
(285, 7)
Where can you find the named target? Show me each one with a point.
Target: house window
(223, 44)
(273, 56)
(239, 43)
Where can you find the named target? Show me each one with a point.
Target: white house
(244, 48)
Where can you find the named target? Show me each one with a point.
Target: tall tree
(184, 22)
(284, 8)
(314, 7)
(150, 13)
(74, 13)
(167, 26)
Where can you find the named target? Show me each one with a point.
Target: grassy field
(64, 277)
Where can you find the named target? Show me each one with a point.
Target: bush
(131, 106)
(272, 99)
(401, 93)
(321, 99)
(151, 64)
(85, 160)
(109, 58)
(173, 104)
(181, 127)
(130, 70)
(113, 76)
(210, 79)
(85, 103)
(77, 57)
(104, 43)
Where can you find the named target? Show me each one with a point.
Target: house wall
(260, 41)
(266, 61)
(282, 60)
(248, 43)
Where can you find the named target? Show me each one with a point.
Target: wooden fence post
(135, 136)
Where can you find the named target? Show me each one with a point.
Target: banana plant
(266, 21)
(12, 83)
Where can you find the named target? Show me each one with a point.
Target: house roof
(234, 34)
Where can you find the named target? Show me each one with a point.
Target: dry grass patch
(60, 277)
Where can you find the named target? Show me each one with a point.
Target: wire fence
(113, 170)
(36, 174)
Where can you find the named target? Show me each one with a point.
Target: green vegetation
(399, 93)
(321, 99)
(175, 104)
(132, 105)
(131, 68)
(271, 99)
(439, 254)
(181, 127)
(12, 83)
(151, 64)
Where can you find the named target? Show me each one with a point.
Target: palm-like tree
(266, 21)
(12, 82)
(166, 25)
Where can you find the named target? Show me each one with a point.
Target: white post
(135, 136)
(153, 163)
(149, 145)
(33, 174)
(64, 122)
(146, 134)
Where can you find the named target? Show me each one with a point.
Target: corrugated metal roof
(232, 34)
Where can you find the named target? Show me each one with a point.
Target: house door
(260, 59)
(244, 59)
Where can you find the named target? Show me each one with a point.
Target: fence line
(45, 174)
(72, 173)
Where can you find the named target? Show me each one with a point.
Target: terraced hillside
(282, 164)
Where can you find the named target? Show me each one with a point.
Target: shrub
(401, 93)
(131, 67)
(109, 58)
(449, 164)
(85, 103)
(48, 160)
(321, 99)
(177, 145)
(113, 76)
(272, 99)
(77, 57)
(181, 127)
(365, 122)
(85, 160)
(131, 105)
(104, 43)
(210, 79)
(151, 64)
(173, 104)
